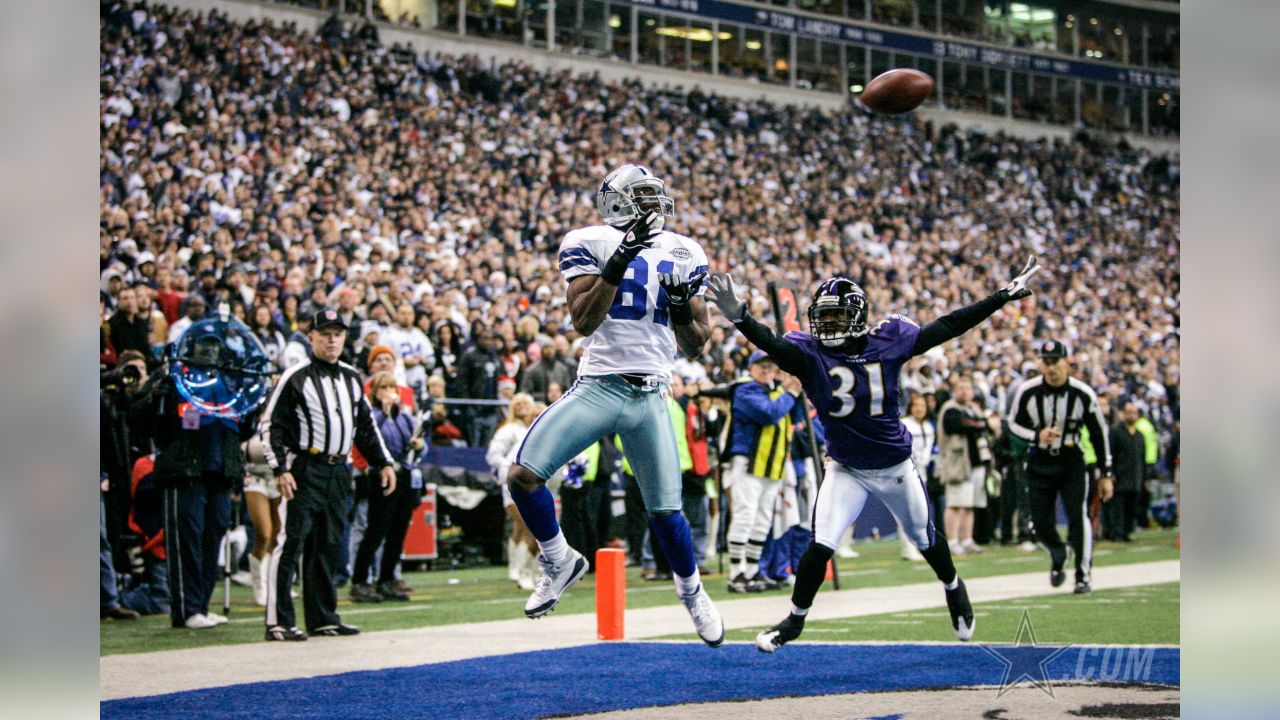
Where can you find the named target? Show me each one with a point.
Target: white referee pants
(844, 493)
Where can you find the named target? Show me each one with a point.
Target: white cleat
(199, 622)
(706, 618)
(553, 581)
(216, 618)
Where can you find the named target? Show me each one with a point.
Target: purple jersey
(857, 395)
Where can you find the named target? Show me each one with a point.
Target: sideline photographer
(118, 387)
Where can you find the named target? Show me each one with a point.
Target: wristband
(614, 269)
(681, 314)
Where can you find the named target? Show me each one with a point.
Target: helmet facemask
(834, 320)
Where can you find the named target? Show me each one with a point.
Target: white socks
(556, 549)
(955, 583)
(688, 586)
(799, 611)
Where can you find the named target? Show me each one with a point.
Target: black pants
(1118, 515)
(1014, 498)
(311, 525)
(197, 512)
(1046, 483)
(389, 517)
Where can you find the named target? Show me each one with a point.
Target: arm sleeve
(577, 259)
(368, 438)
(752, 403)
(282, 425)
(955, 422)
(787, 355)
(956, 323)
(1097, 425)
(1019, 417)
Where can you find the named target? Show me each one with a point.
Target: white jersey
(636, 336)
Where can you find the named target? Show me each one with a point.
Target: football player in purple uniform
(849, 370)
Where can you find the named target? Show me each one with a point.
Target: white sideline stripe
(156, 673)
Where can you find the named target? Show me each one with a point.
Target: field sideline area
(889, 615)
(474, 595)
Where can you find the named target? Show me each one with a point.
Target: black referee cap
(328, 317)
(1053, 350)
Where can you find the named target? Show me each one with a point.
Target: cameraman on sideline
(198, 460)
(114, 461)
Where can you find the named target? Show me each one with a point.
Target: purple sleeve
(902, 334)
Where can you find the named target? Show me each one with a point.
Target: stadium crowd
(424, 197)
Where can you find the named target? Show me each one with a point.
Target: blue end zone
(599, 678)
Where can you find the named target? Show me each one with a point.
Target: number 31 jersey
(857, 396)
(636, 336)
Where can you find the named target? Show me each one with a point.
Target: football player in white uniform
(635, 293)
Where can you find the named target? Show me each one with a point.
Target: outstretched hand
(1017, 287)
(680, 293)
(725, 296)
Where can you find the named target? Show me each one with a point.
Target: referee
(1048, 412)
(318, 410)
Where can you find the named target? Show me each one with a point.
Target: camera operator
(198, 459)
(118, 386)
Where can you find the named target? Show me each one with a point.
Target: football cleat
(706, 618)
(781, 634)
(961, 611)
(279, 632)
(553, 581)
(1083, 588)
(336, 630)
(1057, 576)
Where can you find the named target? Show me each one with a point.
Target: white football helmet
(631, 191)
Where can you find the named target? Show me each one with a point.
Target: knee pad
(521, 480)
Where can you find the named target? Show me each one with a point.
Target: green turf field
(446, 596)
(1146, 614)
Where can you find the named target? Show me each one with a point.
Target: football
(897, 91)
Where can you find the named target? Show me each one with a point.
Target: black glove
(1017, 287)
(679, 294)
(725, 295)
(639, 237)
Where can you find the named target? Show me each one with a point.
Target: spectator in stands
(548, 369)
(264, 328)
(478, 374)
(193, 308)
(130, 329)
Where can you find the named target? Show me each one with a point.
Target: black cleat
(364, 593)
(389, 591)
(1057, 576)
(961, 611)
(738, 584)
(336, 630)
(1083, 588)
(781, 634)
(279, 632)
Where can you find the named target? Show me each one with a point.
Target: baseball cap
(1053, 350)
(758, 356)
(328, 318)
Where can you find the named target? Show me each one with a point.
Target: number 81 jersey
(857, 396)
(636, 336)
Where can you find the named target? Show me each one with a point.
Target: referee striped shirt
(320, 407)
(1069, 407)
